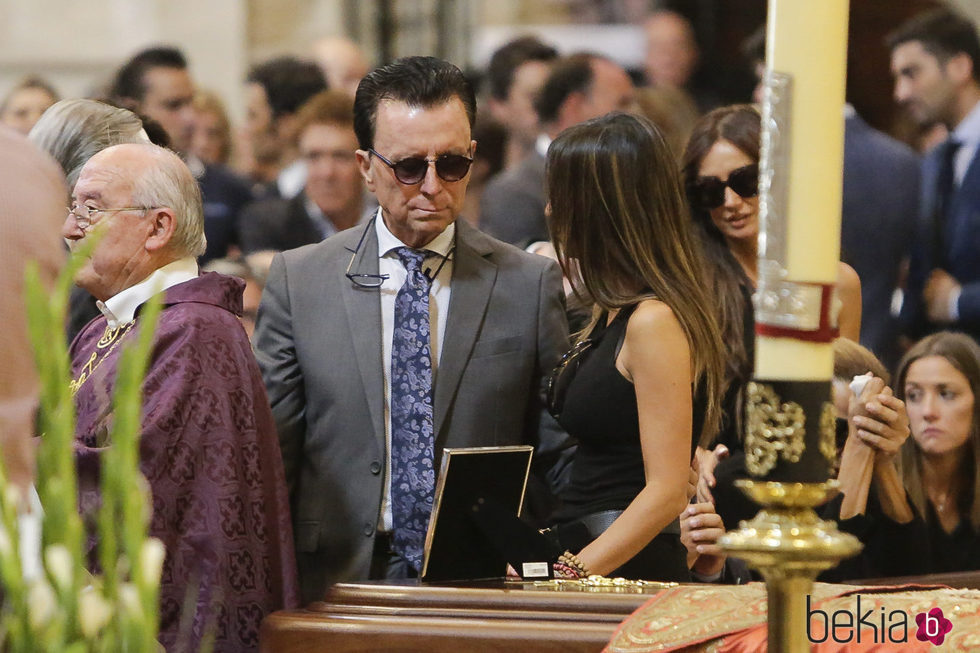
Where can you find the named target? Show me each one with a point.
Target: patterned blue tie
(412, 467)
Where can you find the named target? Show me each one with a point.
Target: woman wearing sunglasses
(642, 386)
(721, 175)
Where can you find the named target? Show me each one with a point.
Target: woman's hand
(701, 527)
(707, 461)
(881, 421)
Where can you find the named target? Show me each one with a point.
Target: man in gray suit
(364, 394)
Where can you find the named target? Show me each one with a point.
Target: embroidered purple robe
(211, 456)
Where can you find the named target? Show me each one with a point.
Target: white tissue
(859, 382)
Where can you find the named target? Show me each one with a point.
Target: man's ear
(364, 165)
(959, 68)
(163, 223)
(571, 110)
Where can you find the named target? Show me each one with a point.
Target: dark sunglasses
(561, 377)
(709, 192)
(410, 171)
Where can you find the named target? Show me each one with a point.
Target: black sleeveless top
(599, 410)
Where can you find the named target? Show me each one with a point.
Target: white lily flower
(94, 612)
(41, 604)
(152, 554)
(59, 563)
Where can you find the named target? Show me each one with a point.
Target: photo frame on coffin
(475, 529)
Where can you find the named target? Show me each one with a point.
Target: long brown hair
(741, 125)
(963, 353)
(618, 219)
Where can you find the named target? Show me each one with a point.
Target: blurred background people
(939, 379)
(641, 388)
(25, 102)
(935, 60)
(579, 87)
(333, 197)
(515, 75)
(342, 61)
(157, 83)
(211, 140)
(274, 92)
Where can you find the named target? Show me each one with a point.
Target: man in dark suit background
(386, 343)
(579, 87)
(333, 196)
(934, 60)
(878, 218)
(156, 83)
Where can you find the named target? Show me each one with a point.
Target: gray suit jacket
(512, 204)
(318, 342)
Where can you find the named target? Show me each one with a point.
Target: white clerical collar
(121, 307)
(968, 131)
(542, 144)
(441, 244)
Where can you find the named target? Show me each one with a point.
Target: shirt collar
(542, 144)
(121, 307)
(441, 244)
(968, 131)
(195, 165)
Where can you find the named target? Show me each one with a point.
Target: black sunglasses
(709, 192)
(561, 377)
(410, 171)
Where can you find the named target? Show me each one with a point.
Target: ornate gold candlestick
(789, 545)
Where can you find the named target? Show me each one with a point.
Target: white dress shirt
(121, 307)
(441, 251)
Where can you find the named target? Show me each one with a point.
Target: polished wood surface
(487, 616)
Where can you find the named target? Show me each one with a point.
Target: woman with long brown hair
(721, 177)
(939, 380)
(641, 388)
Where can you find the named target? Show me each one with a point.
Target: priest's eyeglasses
(411, 171)
(86, 216)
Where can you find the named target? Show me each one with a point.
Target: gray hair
(72, 131)
(168, 182)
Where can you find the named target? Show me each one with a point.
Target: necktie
(412, 466)
(945, 185)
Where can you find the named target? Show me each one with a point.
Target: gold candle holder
(789, 545)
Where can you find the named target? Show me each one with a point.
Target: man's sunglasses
(709, 192)
(410, 171)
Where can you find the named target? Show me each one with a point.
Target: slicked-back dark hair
(288, 83)
(130, 83)
(416, 81)
(943, 33)
(511, 56)
(571, 74)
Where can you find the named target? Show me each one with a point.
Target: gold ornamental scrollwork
(828, 436)
(775, 430)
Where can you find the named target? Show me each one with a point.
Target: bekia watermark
(874, 624)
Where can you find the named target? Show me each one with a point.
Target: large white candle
(807, 43)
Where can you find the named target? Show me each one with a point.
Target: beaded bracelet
(563, 570)
(571, 560)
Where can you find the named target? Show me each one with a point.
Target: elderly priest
(208, 444)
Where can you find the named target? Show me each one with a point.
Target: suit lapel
(363, 307)
(473, 279)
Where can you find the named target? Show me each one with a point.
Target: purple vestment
(210, 453)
